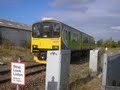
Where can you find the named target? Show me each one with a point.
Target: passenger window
(69, 36)
(85, 40)
(66, 35)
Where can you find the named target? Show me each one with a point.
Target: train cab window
(36, 31)
(56, 30)
(46, 30)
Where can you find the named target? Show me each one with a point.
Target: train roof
(47, 20)
(11, 24)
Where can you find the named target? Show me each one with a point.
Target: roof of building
(12, 24)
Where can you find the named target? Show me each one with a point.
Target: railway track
(31, 69)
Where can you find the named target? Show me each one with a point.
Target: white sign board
(18, 73)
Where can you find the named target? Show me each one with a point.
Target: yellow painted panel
(46, 43)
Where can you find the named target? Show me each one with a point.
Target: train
(55, 35)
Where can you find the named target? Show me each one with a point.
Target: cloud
(10, 2)
(71, 5)
(90, 16)
(115, 27)
(57, 3)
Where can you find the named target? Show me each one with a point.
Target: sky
(98, 18)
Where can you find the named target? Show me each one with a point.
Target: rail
(31, 69)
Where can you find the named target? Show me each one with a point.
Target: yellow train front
(45, 36)
(55, 35)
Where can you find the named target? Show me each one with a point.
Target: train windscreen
(46, 30)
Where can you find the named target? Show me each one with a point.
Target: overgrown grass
(9, 53)
(93, 84)
(78, 72)
(81, 80)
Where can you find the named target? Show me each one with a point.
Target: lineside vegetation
(108, 43)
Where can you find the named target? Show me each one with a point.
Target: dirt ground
(79, 73)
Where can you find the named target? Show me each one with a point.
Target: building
(17, 33)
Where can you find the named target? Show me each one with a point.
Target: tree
(118, 43)
(99, 43)
(108, 43)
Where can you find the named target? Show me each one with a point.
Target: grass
(11, 53)
(93, 84)
(81, 80)
(78, 71)
(79, 74)
(113, 51)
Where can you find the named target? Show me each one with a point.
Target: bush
(108, 43)
(27, 44)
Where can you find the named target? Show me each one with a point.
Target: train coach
(55, 35)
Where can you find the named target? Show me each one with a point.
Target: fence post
(19, 60)
(104, 77)
(93, 62)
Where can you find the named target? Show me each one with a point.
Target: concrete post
(104, 75)
(93, 62)
(57, 70)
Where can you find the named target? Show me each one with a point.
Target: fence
(111, 72)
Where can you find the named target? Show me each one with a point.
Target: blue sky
(99, 18)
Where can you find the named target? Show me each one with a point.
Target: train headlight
(35, 48)
(55, 47)
(43, 55)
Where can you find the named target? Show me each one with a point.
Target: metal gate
(111, 72)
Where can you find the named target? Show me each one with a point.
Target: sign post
(18, 73)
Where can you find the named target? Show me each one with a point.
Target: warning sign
(18, 73)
